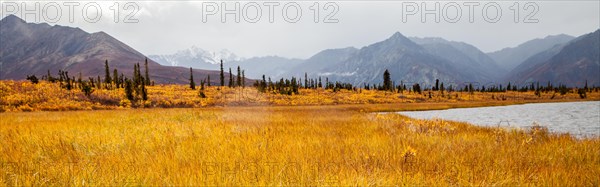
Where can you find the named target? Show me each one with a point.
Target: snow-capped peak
(212, 57)
(196, 54)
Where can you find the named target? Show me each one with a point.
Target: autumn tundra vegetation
(123, 131)
(63, 92)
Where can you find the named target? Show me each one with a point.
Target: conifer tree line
(233, 81)
(289, 86)
(389, 85)
(135, 88)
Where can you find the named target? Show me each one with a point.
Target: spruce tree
(263, 84)
(222, 75)
(80, 80)
(147, 77)
(144, 91)
(60, 76)
(107, 80)
(92, 82)
(305, 80)
(122, 80)
(49, 77)
(320, 85)
(201, 93)
(116, 77)
(86, 89)
(135, 77)
(192, 83)
(471, 88)
(230, 78)
(271, 85)
(239, 77)
(294, 85)
(417, 88)
(99, 85)
(387, 81)
(208, 80)
(129, 89)
(243, 79)
(33, 79)
(139, 75)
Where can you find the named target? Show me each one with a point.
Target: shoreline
(369, 108)
(512, 120)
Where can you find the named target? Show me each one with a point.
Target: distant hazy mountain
(463, 55)
(571, 64)
(406, 61)
(196, 58)
(28, 48)
(315, 65)
(509, 58)
(270, 66)
(536, 59)
(254, 67)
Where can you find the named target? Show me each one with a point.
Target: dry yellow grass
(290, 146)
(45, 96)
(333, 138)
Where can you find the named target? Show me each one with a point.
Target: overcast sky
(166, 27)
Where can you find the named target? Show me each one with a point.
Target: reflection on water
(581, 119)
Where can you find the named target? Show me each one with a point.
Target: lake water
(581, 119)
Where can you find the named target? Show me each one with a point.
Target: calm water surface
(581, 119)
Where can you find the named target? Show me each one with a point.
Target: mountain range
(347, 64)
(573, 63)
(35, 49)
(511, 57)
(196, 57)
(28, 48)
(422, 60)
(406, 61)
(463, 55)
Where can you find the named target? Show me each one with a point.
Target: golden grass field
(45, 96)
(263, 144)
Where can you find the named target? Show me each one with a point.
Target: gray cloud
(165, 27)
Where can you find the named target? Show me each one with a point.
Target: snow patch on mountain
(196, 55)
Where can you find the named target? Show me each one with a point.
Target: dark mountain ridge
(572, 64)
(35, 49)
